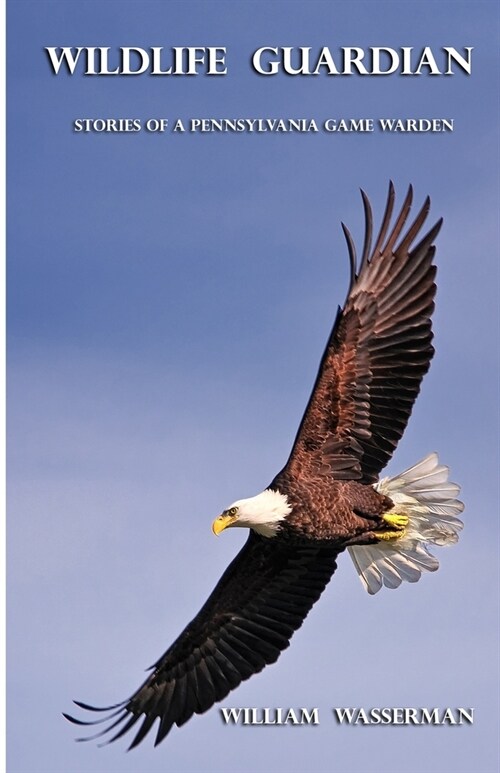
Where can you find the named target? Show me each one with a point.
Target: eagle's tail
(425, 496)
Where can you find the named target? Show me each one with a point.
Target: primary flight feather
(328, 497)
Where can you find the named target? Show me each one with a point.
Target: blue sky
(169, 297)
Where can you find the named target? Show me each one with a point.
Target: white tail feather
(425, 495)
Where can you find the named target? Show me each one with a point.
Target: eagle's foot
(398, 520)
(397, 523)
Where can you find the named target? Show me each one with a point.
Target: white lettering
(66, 56)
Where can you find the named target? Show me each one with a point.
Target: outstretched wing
(261, 599)
(377, 354)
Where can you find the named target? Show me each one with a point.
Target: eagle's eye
(232, 511)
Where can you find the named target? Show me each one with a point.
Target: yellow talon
(398, 523)
(387, 535)
(396, 519)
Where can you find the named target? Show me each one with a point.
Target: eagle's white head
(261, 513)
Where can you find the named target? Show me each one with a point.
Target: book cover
(177, 177)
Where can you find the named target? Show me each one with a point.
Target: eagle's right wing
(261, 599)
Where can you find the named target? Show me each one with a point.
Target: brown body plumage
(369, 377)
(340, 513)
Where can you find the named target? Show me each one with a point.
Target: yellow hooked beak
(222, 522)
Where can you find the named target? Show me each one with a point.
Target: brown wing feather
(377, 354)
(261, 599)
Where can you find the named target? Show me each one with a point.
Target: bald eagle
(328, 497)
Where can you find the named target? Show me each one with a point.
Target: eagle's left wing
(377, 354)
(261, 599)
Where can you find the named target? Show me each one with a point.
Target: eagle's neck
(264, 512)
